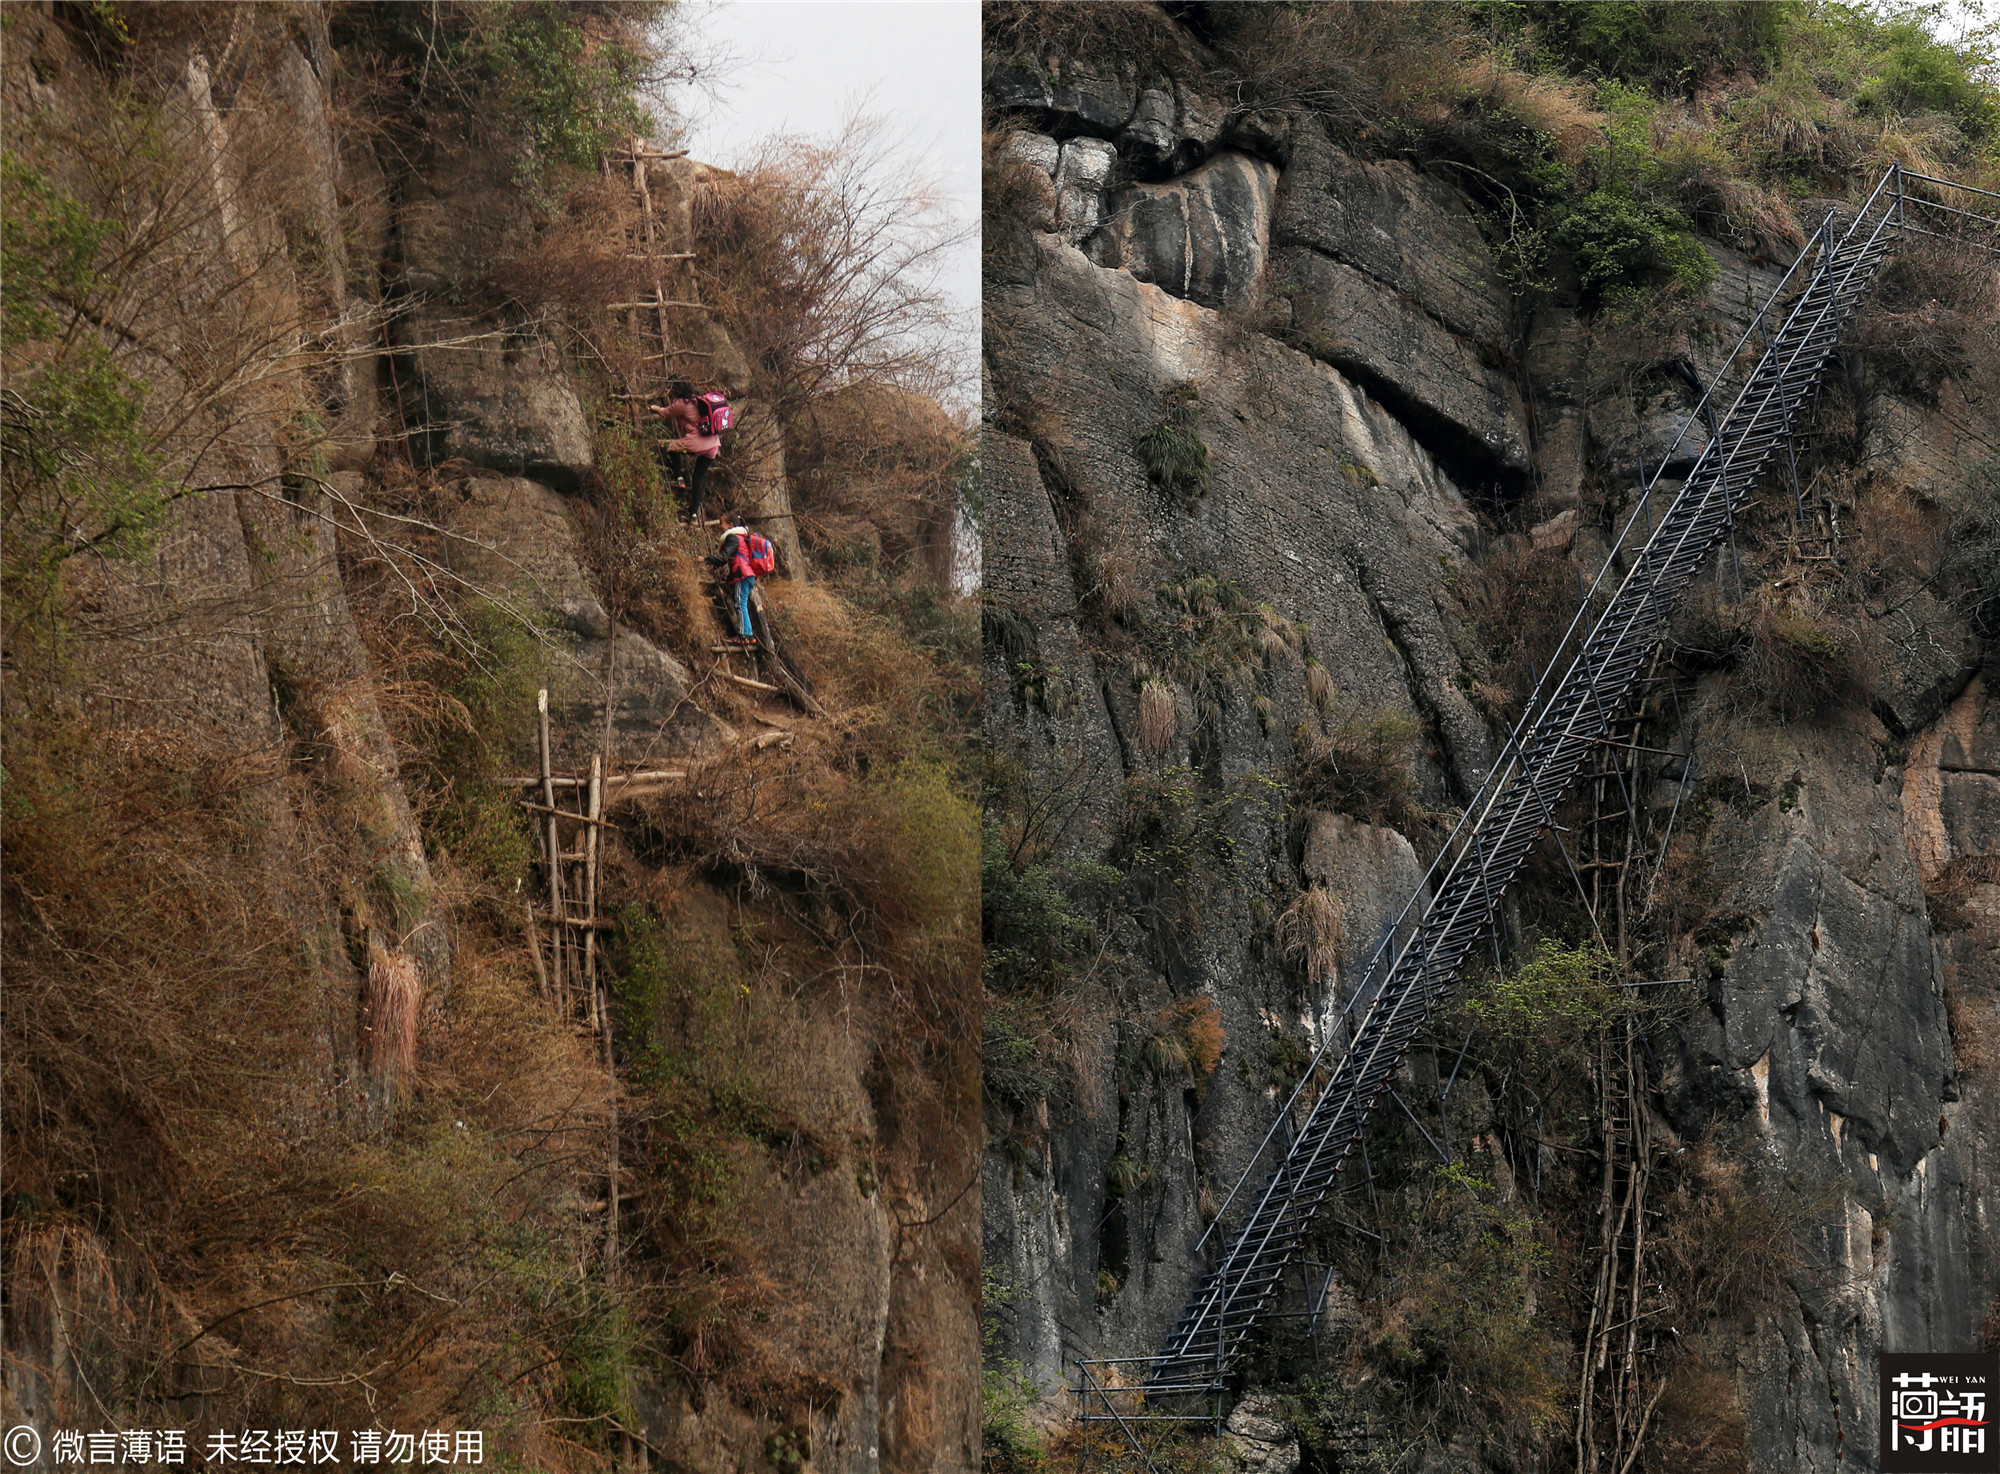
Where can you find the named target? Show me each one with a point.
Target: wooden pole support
(554, 842)
(535, 951)
(566, 814)
(590, 881)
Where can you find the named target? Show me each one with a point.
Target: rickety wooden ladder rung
(567, 814)
(640, 776)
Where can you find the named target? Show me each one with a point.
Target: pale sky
(803, 66)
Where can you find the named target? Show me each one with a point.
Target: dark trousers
(697, 474)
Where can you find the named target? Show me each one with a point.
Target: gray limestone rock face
(514, 539)
(1633, 437)
(1406, 231)
(1834, 1044)
(1079, 170)
(1171, 129)
(1843, 1043)
(1202, 236)
(493, 396)
(1065, 104)
(1082, 174)
(1323, 501)
(489, 391)
(1323, 507)
(1259, 1439)
(1437, 379)
(1267, 133)
(1371, 872)
(1041, 154)
(1161, 126)
(1919, 652)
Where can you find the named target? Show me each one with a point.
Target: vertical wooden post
(535, 951)
(652, 249)
(595, 812)
(557, 917)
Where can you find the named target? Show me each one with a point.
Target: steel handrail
(1537, 698)
(1573, 695)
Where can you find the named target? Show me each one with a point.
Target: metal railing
(1768, 379)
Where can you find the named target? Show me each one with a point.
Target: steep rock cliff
(249, 641)
(1382, 423)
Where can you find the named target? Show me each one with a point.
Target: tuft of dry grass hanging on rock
(389, 1015)
(1310, 930)
(1156, 716)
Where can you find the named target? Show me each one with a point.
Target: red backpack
(763, 557)
(715, 414)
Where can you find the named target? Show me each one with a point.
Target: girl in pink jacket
(681, 411)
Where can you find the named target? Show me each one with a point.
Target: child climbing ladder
(701, 419)
(745, 556)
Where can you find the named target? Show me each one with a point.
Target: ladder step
(1588, 701)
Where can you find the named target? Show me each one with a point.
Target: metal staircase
(1601, 661)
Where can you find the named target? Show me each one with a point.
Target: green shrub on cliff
(1009, 1443)
(556, 84)
(1171, 448)
(1670, 46)
(77, 472)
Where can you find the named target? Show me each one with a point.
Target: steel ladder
(1601, 659)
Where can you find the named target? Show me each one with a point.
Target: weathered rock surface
(1920, 651)
(515, 539)
(1431, 376)
(1202, 236)
(1844, 1047)
(1079, 172)
(1259, 1439)
(495, 396)
(488, 389)
(1322, 506)
(1405, 230)
(1162, 127)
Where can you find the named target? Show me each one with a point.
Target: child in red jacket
(741, 576)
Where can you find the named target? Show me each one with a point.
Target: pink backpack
(716, 416)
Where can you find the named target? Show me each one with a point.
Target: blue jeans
(743, 587)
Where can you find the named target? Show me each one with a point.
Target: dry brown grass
(579, 262)
(1699, 1426)
(1364, 68)
(1804, 654)
(874, 474)
(1520, 605)
(1098, 40)
(1310, 930)
(1930, 316)
(1728, 1246)
(1555, 108)
(389, 1002)
(1186, 1039)
(185, 1135)
(1156, 716)
(1362, 767)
